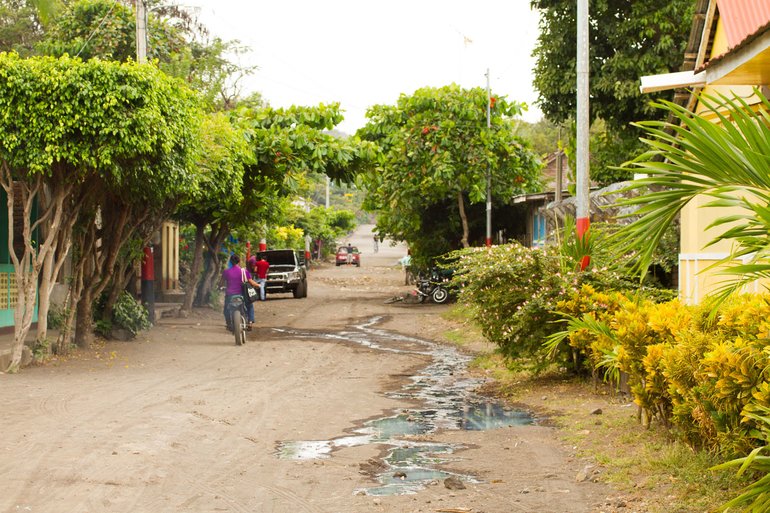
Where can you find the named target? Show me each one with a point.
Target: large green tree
(627, 40)
(107, 29)
(436, 152)
(74, 132)
(222, 164)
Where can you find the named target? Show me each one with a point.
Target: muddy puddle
(446, 400)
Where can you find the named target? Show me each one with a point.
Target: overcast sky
(366, 52)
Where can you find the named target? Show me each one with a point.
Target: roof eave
(653, 83)
(748, 65)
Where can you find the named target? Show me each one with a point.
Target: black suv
(287, 271)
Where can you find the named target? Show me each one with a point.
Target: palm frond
(726, 163)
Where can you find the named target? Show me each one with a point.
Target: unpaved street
(182, 420)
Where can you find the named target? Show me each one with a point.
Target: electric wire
(93, 32)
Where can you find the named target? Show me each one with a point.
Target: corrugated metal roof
(742, 18)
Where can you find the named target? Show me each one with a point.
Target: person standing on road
(376, 244)
(260, 271)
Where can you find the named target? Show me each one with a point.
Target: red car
(348, 255)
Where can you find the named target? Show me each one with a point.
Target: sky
(365, 52)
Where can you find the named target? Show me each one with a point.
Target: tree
(627, 40)
(20, 26)
(107, 30)
(544, 136)
(436, 150)
(282, 145)
(726, 163)
(71, 130)
(221, 165)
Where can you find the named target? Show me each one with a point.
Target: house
(8, 290)
(532, 207)
(728, 53)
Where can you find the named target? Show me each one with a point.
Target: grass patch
(667, 476)
(464, 332)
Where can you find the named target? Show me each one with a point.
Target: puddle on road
(447, 402)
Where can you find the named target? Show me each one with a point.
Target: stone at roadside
(454, 483)
(584, 474)
(373, 466)
(597, 411)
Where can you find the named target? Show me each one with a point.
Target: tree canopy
(627, 40)
(91, 137)
(436, 151)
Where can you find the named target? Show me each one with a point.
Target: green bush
(56, 317)
(706, 379)
(130, 314)
(102, 328)
(514, 291)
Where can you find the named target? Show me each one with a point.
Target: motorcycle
(238, 319)
(432, 286)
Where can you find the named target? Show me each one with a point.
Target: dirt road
(183, 420)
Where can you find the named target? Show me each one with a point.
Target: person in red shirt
(260, 267)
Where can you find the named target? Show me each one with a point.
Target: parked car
(287, 271)
(348, 255)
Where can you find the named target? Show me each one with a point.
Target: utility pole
(489, 173)
(583, 200)
(559, 169)
(141, 32)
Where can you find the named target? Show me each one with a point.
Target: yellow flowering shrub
(700, 376)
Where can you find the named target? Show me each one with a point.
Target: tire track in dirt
(35, 483)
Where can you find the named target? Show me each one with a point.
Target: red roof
(742, 18)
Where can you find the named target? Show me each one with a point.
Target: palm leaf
(725, 162)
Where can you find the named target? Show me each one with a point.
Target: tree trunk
(197, 263)
(211, 276)
(56, 257)
(463, 218)
(67, 332)
(27, 254)
(44, 301)
(84, 325)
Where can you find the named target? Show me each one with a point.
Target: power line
(96, 29)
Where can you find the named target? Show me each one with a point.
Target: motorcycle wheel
(239, 330)
(440, 295)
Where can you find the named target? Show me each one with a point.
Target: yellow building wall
(695, 280)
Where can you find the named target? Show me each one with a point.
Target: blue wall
(7, 274)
